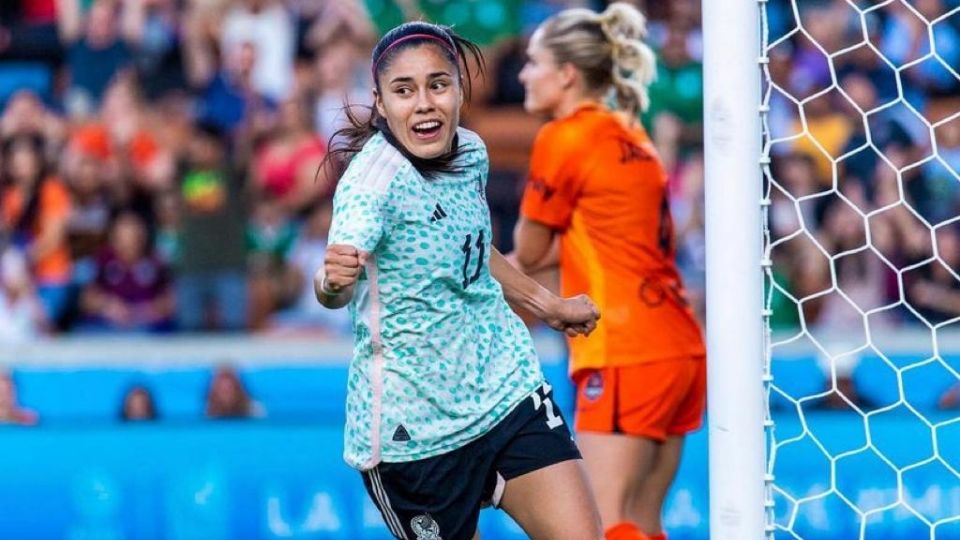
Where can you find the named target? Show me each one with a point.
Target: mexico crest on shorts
(425, 527)
(593, 389)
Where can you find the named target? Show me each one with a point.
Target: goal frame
(736, 330)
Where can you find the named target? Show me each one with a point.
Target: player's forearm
(520, 290)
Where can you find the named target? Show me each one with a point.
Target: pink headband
(446, 45)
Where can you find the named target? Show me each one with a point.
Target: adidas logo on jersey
(401, 435)
(438, 214)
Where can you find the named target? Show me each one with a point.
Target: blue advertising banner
(82, 475)
(266, 479)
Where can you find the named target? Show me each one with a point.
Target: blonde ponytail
(634, 64)
(608, 50)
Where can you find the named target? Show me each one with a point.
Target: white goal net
(861, 210)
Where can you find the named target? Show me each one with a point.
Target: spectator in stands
(132, 142)
(158, 58)
(948, 140)
(342, 75)
(99, 45)
(826, 128)
(21, 315)
(132, 290)
(933, 289)
(809, 70)
(862, 158)
(138, 405)
(799, 265)
(797, 175)
(906, 38)
(228, 398)
(865, 62)
(226, 95)
(677, 92)
(901, 237)
(860, 275)
(687, 208)
(10, 411)
(25, 114)
(940, 188)
(88, 174)
(306, 314)
(212, 255)
(270, 237)
(286, 169)
(267, 27)
(34, 208)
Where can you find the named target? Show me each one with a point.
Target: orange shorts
(653, 400)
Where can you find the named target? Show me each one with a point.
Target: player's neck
(570, 105)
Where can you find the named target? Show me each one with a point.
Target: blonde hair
(608, 50)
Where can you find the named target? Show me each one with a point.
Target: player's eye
(439, 85)
(403, 91)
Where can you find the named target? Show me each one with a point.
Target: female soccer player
(596, 183)
(447, 408)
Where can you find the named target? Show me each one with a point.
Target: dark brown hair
(347, 141)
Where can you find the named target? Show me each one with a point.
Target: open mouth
(427, 129)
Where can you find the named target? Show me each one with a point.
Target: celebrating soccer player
(447, 407)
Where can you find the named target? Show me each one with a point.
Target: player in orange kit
(596, 184)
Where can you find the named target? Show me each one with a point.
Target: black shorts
(441, 496)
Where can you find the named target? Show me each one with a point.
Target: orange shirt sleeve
(554, 183)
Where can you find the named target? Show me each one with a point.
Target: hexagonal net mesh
(861, 126)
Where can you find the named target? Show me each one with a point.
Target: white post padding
(735, 327)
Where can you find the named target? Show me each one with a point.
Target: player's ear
(378, 103)
(568, 75)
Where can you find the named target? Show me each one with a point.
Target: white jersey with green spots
(439, 358)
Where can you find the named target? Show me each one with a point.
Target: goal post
(734, 277)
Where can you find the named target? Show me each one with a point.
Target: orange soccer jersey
(599, 182)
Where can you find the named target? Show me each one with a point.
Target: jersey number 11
(467, 249)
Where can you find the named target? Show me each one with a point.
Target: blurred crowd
(864, 178)
(865, 164)
(160, 159)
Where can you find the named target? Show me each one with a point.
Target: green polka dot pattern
(437, 349)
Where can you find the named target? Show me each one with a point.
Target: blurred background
(167, 372)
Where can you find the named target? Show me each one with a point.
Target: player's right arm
(361, 213)
(333, 284)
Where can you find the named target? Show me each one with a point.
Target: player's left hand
(574, 316)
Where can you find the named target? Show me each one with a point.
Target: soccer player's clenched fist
(341, 266)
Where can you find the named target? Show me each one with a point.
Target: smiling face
(420, 97)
